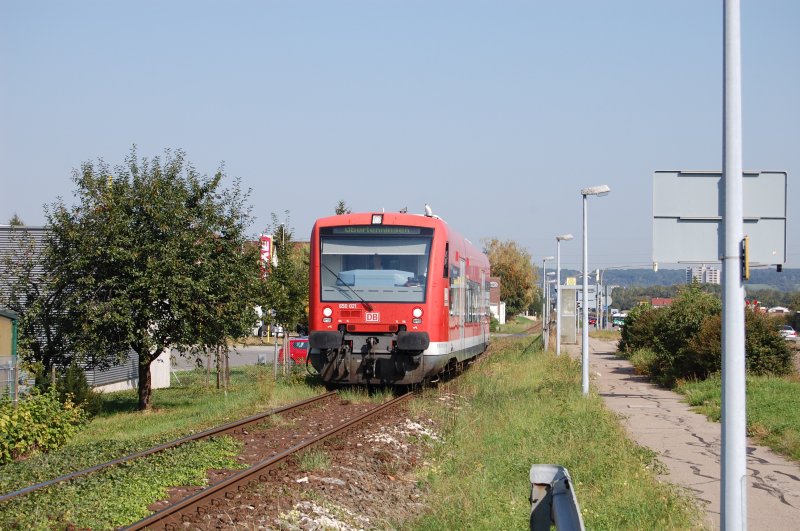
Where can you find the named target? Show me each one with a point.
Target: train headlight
(327, 311)
(377, 219)
(417, 312)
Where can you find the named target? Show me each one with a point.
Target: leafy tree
(287, 282)
(150, 257)
(34, 295)
(518, 277)
(16, 221)
(230, 285)
(342, 208)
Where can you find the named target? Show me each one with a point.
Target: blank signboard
(687, 216)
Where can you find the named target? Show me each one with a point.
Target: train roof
(388, 218)
(397, 218)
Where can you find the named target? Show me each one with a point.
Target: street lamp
(559, 239)
(544, 303)
(600, 190)
(550, 280)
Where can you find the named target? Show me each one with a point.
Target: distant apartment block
(702, 274)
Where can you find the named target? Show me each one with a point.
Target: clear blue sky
(496, 113)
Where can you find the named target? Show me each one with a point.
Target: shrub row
(683, 340)
(39, 422)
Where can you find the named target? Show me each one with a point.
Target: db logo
(373, 317)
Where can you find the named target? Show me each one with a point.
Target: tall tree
(342, 208)
(16, 221)
(150, 257)
(287, 280)
(518, 276)
(32, 293)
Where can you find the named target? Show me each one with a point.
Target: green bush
(767, 352)
(73, 385)
(40, 422)
(494, 324)
(683, 341)
(674, 329)
(639, 330)
(643, 361)
(706, 348)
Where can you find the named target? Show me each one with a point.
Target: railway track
(174, 516)
(230, 428)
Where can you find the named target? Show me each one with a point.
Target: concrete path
(689, 445)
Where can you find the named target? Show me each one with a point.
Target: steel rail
(225, 428)
(168, 517)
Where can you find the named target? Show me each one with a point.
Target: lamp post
(733, 491)
(549, 281)
(559, 239)
(544, 301)
(600, 190)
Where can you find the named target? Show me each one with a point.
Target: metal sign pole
(585, 309)
(734, 464)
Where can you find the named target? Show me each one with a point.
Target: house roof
(9, 314)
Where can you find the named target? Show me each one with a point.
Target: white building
(703, 274)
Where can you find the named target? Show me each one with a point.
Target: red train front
(394, 298)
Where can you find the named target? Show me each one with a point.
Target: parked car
(298, 350)
(277, 330)
(787, 332)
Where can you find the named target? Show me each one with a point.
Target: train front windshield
(374, 263)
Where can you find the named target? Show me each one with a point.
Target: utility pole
(734, 457)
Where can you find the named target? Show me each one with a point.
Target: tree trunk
(219, 369)
(208, 369)
(227, 370)
(144, 383)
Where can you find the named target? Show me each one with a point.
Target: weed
(314, 459)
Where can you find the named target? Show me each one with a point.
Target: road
(250, 355)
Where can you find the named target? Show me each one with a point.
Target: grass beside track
(122, 494)
(519, 407)
(517, 325)
(515, 408)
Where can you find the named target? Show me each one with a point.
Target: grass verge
(607, 335)
(121, 430)
(120, 495)
(517, 325)
(519, 407)
(773, 409)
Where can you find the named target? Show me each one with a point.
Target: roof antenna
(428, 211)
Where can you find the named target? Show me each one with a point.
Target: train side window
(446, 259)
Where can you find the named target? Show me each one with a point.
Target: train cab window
(374, 267)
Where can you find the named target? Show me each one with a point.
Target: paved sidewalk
(689, 445)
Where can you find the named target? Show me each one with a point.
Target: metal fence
(8, 377)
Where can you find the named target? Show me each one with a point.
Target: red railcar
(394, 298)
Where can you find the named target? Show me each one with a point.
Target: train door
(482, 308)
(462, 304)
